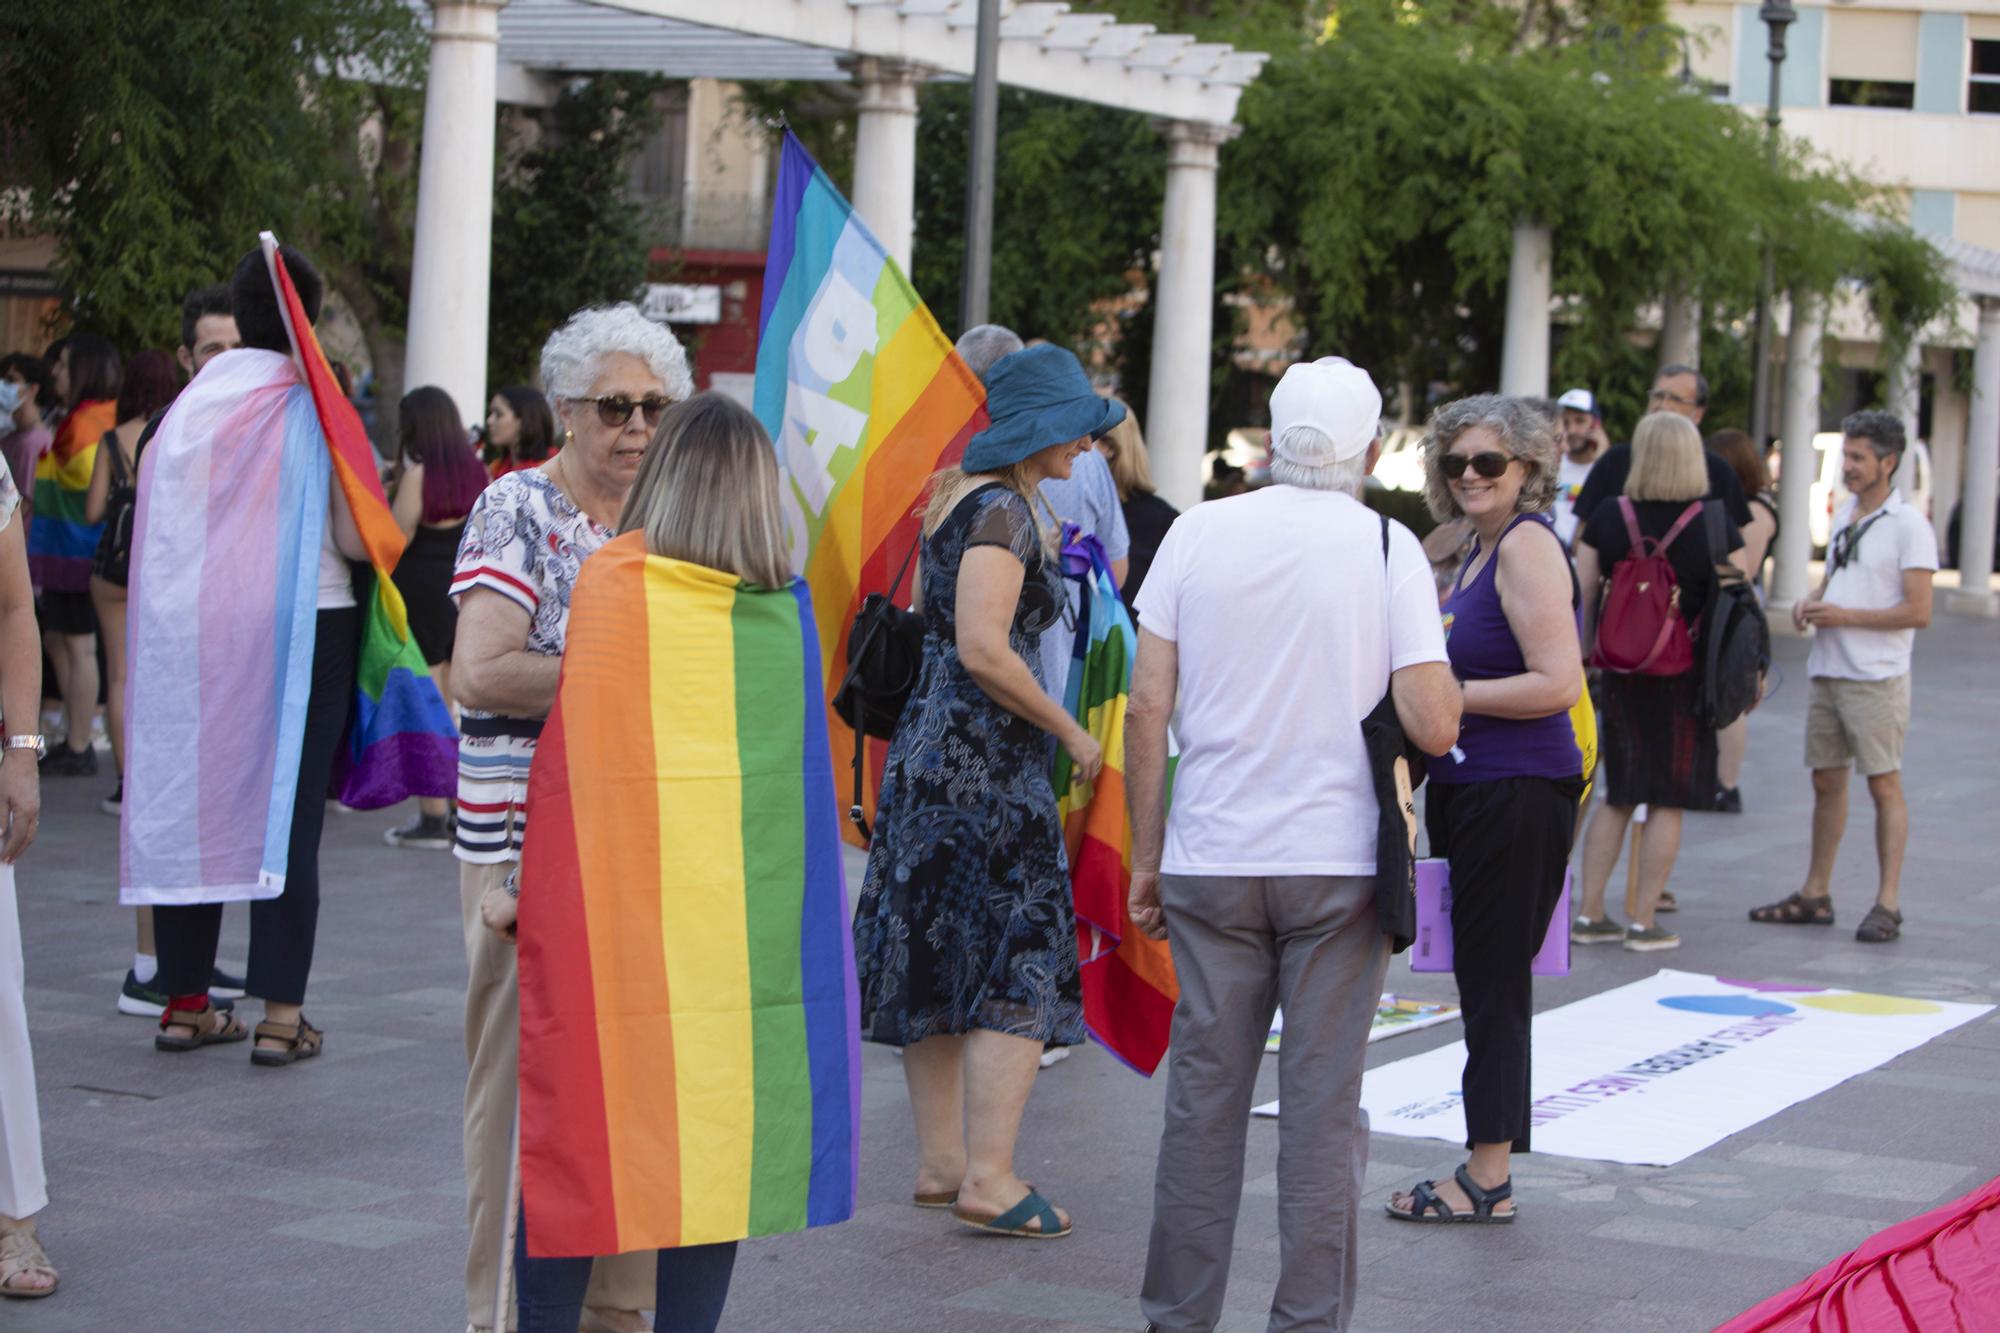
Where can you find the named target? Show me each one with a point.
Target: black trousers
(282, 929)
(1508, 843)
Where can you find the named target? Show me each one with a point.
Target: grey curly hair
(1524, 433)
(574, 355)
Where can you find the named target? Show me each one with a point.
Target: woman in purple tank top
(1502, 807)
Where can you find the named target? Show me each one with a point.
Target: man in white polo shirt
(1875, 597)
(1275, 624)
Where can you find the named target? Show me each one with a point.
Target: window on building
(1871, 92)
(1983, 95)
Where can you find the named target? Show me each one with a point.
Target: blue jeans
(693, 1283)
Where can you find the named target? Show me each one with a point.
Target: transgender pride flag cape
(225, 569)
(1129, 987)
(690, 1062)
(864, 397)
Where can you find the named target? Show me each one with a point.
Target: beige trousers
(492, 1089)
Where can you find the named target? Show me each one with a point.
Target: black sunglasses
(615, 409)
(1488, 465)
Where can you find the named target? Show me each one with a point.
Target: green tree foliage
(156, 140)
(565, 231)
(1392, 227)
(1077, 202)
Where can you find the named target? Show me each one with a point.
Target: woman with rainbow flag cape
(690, 1071)
(257, 677)
(965, 935)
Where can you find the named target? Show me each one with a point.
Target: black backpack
(885, 653)
(1734, 646)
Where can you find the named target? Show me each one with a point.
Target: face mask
(10, 397)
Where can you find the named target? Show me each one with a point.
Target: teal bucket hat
(1037, 397)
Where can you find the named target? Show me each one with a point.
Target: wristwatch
(38, 744)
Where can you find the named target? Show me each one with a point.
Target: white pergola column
(1982, 469)
(1524, 354)
(1791, 577)
(1680, 329)
(1948, 419)
(885, 153)
(451, 265)
(1902, 391)
(1176, 420)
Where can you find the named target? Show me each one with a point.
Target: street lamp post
(976, 273)
(1777, 15)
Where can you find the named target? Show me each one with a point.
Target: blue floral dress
(966, 919)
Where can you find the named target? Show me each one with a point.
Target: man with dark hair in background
(1874, 597)
(1682, 390)
(208, 328)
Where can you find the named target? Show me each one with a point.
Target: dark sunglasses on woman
(615, 409)
(1488, 465)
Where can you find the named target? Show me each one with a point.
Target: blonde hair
(707, 492)
(953, 484)
(1124, 448)
(1667, 462)
(1524, 433)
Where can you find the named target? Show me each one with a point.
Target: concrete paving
(195, 1193)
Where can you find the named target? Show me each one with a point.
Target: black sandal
(1880, 926)
(1431, 1209)
(1797, 910)
(302, 1042)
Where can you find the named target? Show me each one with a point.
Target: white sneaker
(1053, 1055)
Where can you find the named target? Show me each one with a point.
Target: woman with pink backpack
(1647, 568)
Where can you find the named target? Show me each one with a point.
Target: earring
(569, 436)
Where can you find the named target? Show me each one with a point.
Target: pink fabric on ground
(1937, 1271)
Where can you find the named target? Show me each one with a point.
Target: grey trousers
(1242, 947)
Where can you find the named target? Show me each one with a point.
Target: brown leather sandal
(203, 1027)
(1797, 910)
(302, 1042)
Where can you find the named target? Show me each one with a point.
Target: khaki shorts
(1861, 722)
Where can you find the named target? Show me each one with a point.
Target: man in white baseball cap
(1274, 624)
(1580, 431)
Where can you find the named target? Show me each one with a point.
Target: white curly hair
(574, 355)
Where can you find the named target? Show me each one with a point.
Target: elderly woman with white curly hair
(610, 374)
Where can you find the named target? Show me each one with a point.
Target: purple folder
(1432, 951)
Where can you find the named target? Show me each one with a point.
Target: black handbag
(885, 653)
(1397, 769)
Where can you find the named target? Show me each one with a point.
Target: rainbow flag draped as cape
(1129, 989)
(690, 1062)
(864, 397)
(400, 738)
(232, 510)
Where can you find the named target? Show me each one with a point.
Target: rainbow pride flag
(61, 544)
(1129, 988)
(690, 1048)
(400, 738)
(864, 397)
(222, 621)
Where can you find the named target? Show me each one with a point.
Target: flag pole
(504, 1270)
(976, 276)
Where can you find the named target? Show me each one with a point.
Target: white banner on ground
(1394, 1015)
(1656, 1071)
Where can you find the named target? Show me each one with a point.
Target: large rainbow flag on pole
(690, 1063)
(864, 397)
(231, 514)
(1129, 988)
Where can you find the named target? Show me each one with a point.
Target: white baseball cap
(1579, 400)
(1334, 397)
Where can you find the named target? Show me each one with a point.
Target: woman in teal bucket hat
(965, 935)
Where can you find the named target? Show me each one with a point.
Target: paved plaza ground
(198, 1193)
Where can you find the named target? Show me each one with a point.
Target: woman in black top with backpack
(1655, 749)
(151, 382)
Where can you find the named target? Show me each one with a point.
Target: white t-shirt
(1275, 602)
(1570, 476)
(1890, 540)
(336, 580)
